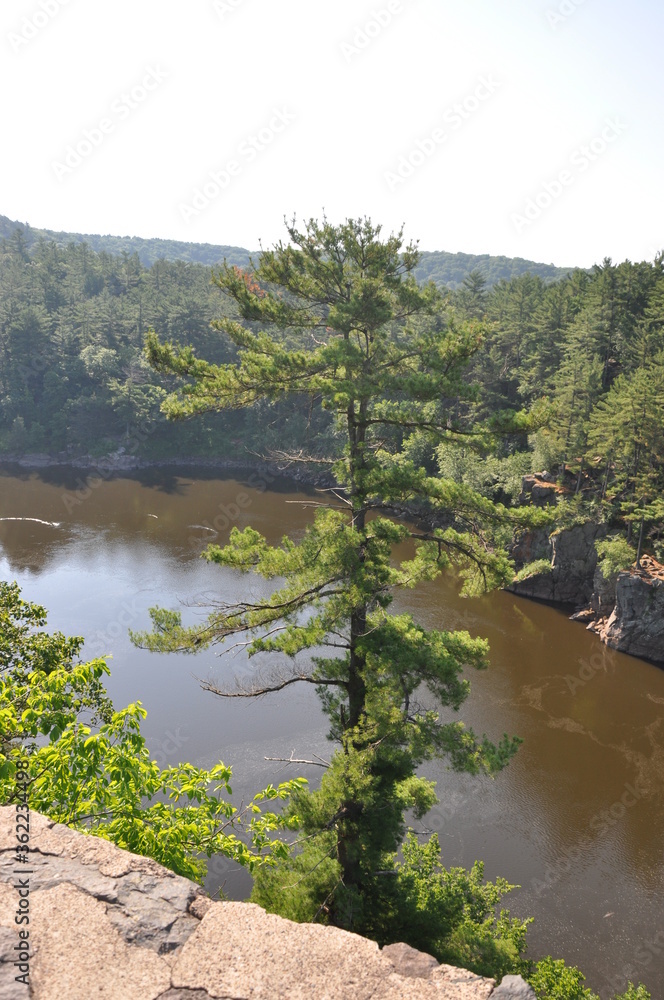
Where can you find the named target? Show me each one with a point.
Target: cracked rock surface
(109, 924)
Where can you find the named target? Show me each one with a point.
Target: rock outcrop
(627, 614)
(539, 489)
(635, 622)
(109, 924)
(573, 561)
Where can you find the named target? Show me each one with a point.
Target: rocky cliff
(627, 614)
(105, 923)
(634, 621)
(572, 558)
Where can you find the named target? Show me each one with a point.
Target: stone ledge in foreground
(109, 924)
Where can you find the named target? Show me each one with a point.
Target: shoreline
(301, 475)
(109, 464)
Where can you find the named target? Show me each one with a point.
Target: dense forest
(584, 353)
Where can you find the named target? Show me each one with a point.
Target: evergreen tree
(577, 385)
(363, 336)
(627, 436)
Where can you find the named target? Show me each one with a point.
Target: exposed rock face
(573, 564)
(105, 923)
(539, 489)
(636, 623)
(603, 597)
(627, 614)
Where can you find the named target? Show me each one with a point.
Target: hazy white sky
(529, 128)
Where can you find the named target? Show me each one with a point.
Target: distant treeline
(448, 269)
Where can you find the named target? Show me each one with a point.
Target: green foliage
(554, 980)
(494, 477)
(634, 993)
(448, 913)
(614, 554)
(534, 568)
(86, 765)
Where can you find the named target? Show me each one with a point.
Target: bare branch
(256, 691)
(284, 456)
(295, 760)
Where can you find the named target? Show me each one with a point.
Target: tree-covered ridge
(450, 269)
(445, 269)
(588, 351)
(72, 329)
(149, 250)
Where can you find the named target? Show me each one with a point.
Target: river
(577, 819)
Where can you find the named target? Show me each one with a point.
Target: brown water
(578, 817)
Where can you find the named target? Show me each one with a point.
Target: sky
(529, 128)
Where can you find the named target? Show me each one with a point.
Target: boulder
(539, 489)
(513, 988)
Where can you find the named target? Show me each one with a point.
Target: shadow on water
(172, 480)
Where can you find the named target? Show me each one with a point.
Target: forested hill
(444, 268)
(148, 251)
(451, 269)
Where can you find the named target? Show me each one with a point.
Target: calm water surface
(577, 819)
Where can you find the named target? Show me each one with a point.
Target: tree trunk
(640, 544)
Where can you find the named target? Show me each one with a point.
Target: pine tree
(627, 436)
(341, 317)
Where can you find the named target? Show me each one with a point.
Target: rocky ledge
(106, 923)
(572, 560)
(634, 620)
(627, 613)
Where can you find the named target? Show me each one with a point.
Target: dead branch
(320, 762)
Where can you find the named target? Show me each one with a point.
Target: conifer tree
(337, 313)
